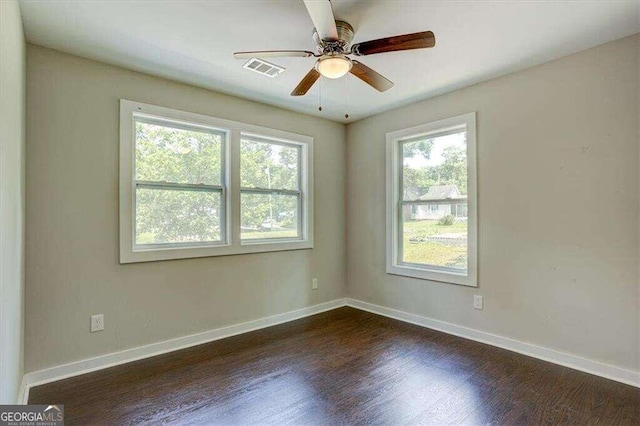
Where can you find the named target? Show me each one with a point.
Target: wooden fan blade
(321, 14)
(306, 83)
(273, 54)
(391, 44)
(371, 77)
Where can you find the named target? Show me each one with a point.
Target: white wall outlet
(314, 284)
(97, 323)
(477, 302)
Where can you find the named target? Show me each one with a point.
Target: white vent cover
(263, 67)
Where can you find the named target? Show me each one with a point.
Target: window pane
(269, 216)
(268, 165)
(435, 169)
(175, 155)
(176, 216)
(438, 242)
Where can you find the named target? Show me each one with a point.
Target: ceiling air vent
(263, 67)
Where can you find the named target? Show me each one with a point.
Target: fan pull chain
(320, 94)
(346, 96)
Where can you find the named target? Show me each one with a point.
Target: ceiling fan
(333, 40)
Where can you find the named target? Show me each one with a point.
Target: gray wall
(558, 207)
(558, 193)
(72, 267)
(12, 142)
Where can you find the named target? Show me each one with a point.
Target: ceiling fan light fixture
(333, 45)
(334, 66)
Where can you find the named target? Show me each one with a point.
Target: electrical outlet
(477, 302)
(314, 284)
(97, 323)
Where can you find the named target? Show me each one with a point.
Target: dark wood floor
(342, 367)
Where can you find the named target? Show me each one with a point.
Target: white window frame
(394, 203)
(231, 243)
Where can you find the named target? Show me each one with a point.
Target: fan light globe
(334, 66)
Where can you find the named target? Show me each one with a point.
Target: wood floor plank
(342, 367)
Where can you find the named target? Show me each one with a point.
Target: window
(179, 184)
(431, 201)
(460, 210)
(194, 186)
(270, 197)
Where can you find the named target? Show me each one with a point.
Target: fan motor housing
(345, 37)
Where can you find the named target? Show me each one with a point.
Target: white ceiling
(193, 41)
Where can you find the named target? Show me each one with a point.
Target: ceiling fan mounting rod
(341, 44)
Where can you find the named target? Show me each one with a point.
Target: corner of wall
(638, 171)
(12, 199)
(345, 129)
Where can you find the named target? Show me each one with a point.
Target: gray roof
(442, 192)
(414, 192)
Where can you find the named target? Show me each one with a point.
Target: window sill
(433, 275)
(159, 254)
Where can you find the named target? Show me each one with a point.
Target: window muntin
(270, 199)
(179, 191)
(431, 201)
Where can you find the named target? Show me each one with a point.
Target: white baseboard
(23, 392)
(572, 361)
(128, 355)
